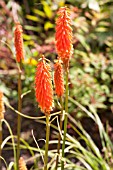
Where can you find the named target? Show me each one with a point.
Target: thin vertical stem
(13, 143)
(0, 143)
(65, 119)
(19, 116)
(47, 142)
(59, 136)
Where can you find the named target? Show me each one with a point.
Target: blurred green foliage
(91, 72)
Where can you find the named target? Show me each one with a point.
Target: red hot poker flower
(43, 86)
(63, 35)
(22, 165)
(58, 79)
(19, 42)
(2, 108)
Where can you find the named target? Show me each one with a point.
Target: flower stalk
(64, 49)
(19, 48)
(19, 119)
(47, 142)
(59, 135)
(65, 119)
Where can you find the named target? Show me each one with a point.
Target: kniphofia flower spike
(58, 78)
(43, 86)
(18, 40)
(63, 35)
(22, 165)
(2, 108)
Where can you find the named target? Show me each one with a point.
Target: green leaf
(28, 27)
(83, 41)
(104, 24)
(101, 29)
(36, 11)
(26, 37)
(33, 18)
(48, 25)
(104, 76)
(47, 9)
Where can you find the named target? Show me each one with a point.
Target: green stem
(59, 136)
(19, 116)
(47, 142)
(0, 143)
(65, 119)
(13, 143)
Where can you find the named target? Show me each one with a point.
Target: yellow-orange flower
(19, 42)
(58, 78)
(63, 35)
(43, 86)
(22, 165)
(2, 109)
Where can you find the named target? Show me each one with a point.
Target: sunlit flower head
(18, 41)
(43, 86)
(63, 35)
(22, 165)
(2, 108)
(59, 78)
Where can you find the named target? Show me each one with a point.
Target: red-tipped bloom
(43, 86)
(19, 42)
(63, 35)
(58, 79)
(2, 109)
(22, 165)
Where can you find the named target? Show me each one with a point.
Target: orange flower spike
(2, 108)
(43, 86)
(18, 41)
(58, 79)
(22, 165)
(63, 35)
